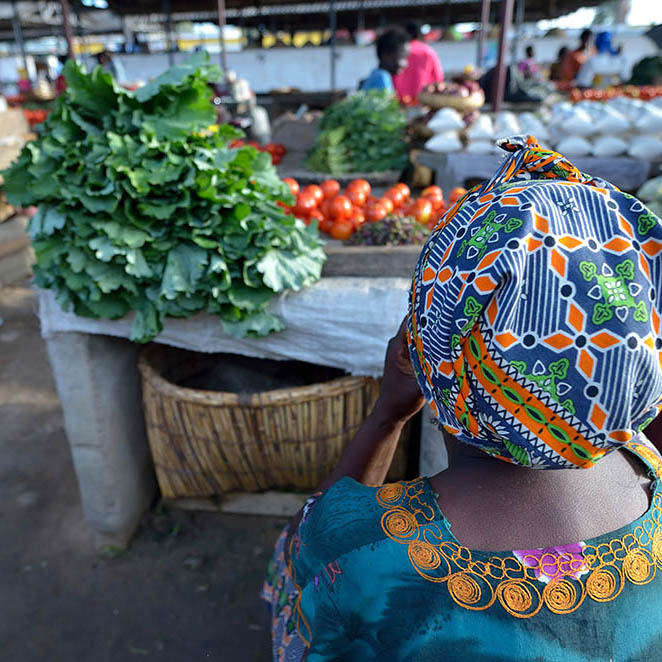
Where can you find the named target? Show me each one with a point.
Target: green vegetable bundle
(363, 133)
(141, 209)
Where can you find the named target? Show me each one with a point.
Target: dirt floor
(186, 590)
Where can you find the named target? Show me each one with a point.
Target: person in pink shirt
(423, 67)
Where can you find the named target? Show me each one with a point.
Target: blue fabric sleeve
(379, 79)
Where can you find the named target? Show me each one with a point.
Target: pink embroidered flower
(553, 563)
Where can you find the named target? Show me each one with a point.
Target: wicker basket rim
(290, 395)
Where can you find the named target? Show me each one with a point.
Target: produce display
(617, 127)
(462, 93)
(35, 116)
(342, 213)
(644, 92)
(363, 133)
(394, 230)
(651, 194)
(275, 150)
(141, 209)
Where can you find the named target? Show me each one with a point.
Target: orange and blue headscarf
(535, 309)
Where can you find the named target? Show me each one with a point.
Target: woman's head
(393, 50)
(535, 314)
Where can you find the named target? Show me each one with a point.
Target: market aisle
(186, 590)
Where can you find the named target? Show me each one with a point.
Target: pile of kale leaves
(142, 208)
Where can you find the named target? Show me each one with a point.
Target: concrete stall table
(344, 322)
(454, 169)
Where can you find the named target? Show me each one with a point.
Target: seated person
(533, 333)
(392, 53)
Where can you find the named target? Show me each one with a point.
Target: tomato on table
(435, 195)
(340, 208)
(293, 184)
(304, 205)
(357, 218)
(396, 196)
(360, 185)
(330, 188)
(404, 189)
(387, 203)
(342, 229)
(315, 191)
(375, 212)
(325, 225)
(422, 210)
(357, 196)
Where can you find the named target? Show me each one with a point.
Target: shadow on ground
(186, 590)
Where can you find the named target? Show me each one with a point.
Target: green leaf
(46, 221)
(250, 298)
(184, 267)
(284, 270)
(174, 76)
(258, 324)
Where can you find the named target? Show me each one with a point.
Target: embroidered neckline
(523, 582)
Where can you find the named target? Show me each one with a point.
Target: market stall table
(340, 322)
(455, 168)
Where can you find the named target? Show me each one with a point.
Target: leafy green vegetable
(394, 230)
(363, 133)
(142, 209)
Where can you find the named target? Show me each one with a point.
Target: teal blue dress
(375, 573)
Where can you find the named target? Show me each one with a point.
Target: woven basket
(462, 104)
(208, 443)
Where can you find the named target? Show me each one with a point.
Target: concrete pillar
(99, 387)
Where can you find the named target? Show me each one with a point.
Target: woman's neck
(496, 505)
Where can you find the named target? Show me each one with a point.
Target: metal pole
(18, 36)
(519, 21)
(333, 24)
(221, 35)
(168, 18)
(499, 79)
(482, 35)
(66, 23)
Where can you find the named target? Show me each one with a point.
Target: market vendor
(423, 66)
(573, 60)
(533, 335)
(392, 53)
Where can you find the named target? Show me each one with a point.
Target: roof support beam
(499, 85)
(66, 23)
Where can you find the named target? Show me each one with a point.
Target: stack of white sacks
(618, 127)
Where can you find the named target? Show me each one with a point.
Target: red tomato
(375, 212)
(360, 185)
(315, 191)
(404, 189)
(357, 218)
(316, 215)
(330, 188)
(435, 195)
(304, 205)
(342, 229)
(340, 208)
(357, 196)
(325, 225)
(293, 184)
(387, 203)
(325, 208)
(422, 210)
(456, 194)
(396, 196)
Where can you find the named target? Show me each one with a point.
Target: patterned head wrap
(534, 319)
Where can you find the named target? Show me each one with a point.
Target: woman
(533, 333)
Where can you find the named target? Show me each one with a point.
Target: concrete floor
(186, 590)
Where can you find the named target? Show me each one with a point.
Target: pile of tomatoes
(643, 92)
(340, 213)
(276, 150)
(35, 116)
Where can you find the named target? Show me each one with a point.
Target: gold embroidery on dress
(522, 587)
